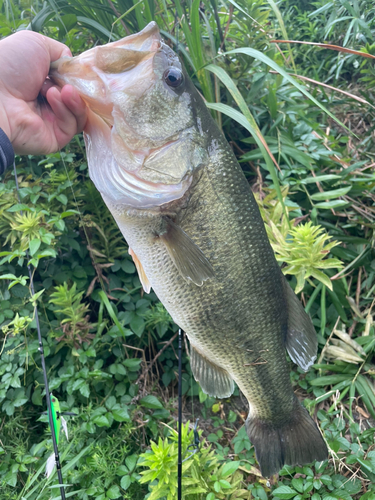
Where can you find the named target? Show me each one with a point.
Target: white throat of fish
(136, 178)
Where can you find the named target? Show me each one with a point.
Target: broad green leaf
(8, 277)
(315, 273)
(329, 195)
(297, 483)
(229, 468)
(131, 462)
(284, 492)
(34, 246)
(121, 415)
(320, 178)
(113, 492)
(101, 421)
(137, 324)
(62, 198)
(18, 207)
(151, 402)
(331, 204)
(125, 482)
(110, 403)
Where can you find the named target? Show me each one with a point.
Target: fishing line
(43, 363)
(195, 445)
(176, 23)
(192, 395)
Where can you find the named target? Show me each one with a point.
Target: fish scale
(182, 202)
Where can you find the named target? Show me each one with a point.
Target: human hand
(36, 115)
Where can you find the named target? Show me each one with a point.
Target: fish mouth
(114, 57)
(100, 70)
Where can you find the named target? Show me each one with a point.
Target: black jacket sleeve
(6, 152)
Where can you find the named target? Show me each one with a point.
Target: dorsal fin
(301, 341)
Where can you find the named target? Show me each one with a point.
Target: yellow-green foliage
(202, 474)
(74, 315)
(303, 247)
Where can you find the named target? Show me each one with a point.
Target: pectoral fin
(301, 341)
(141, 272)
(186, 255)
(214, 381)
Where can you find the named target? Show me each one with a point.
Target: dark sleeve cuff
(6, 152)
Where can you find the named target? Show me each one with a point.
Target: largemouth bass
(182, 202)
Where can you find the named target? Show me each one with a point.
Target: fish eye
(173, 77)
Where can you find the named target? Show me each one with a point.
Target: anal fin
(301, 341)
(189, 259)
(141, 272)
(214, 381)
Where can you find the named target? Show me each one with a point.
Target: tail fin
(295, 441)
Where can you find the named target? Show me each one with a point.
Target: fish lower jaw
(127, 190)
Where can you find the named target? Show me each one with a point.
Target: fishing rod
(179, 464)
(41, 352)
(195, 445)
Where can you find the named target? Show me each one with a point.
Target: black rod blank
(41, 352)
(179, 465)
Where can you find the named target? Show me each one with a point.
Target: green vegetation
(110, 349)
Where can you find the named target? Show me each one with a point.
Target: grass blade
(256, 54)
(247, 120)
(329, 380)
(127, 12)
(313, 297)
(323, 311)
(279, 17)
(235, 4)
(328, 46)
(111, 312)
(366, 394)
(74, 460)
(321, 84)
(97, 27)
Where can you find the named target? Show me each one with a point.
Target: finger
(64, 121)
(72, 100)
(56, 49)
(28, 55)
(46, 86)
